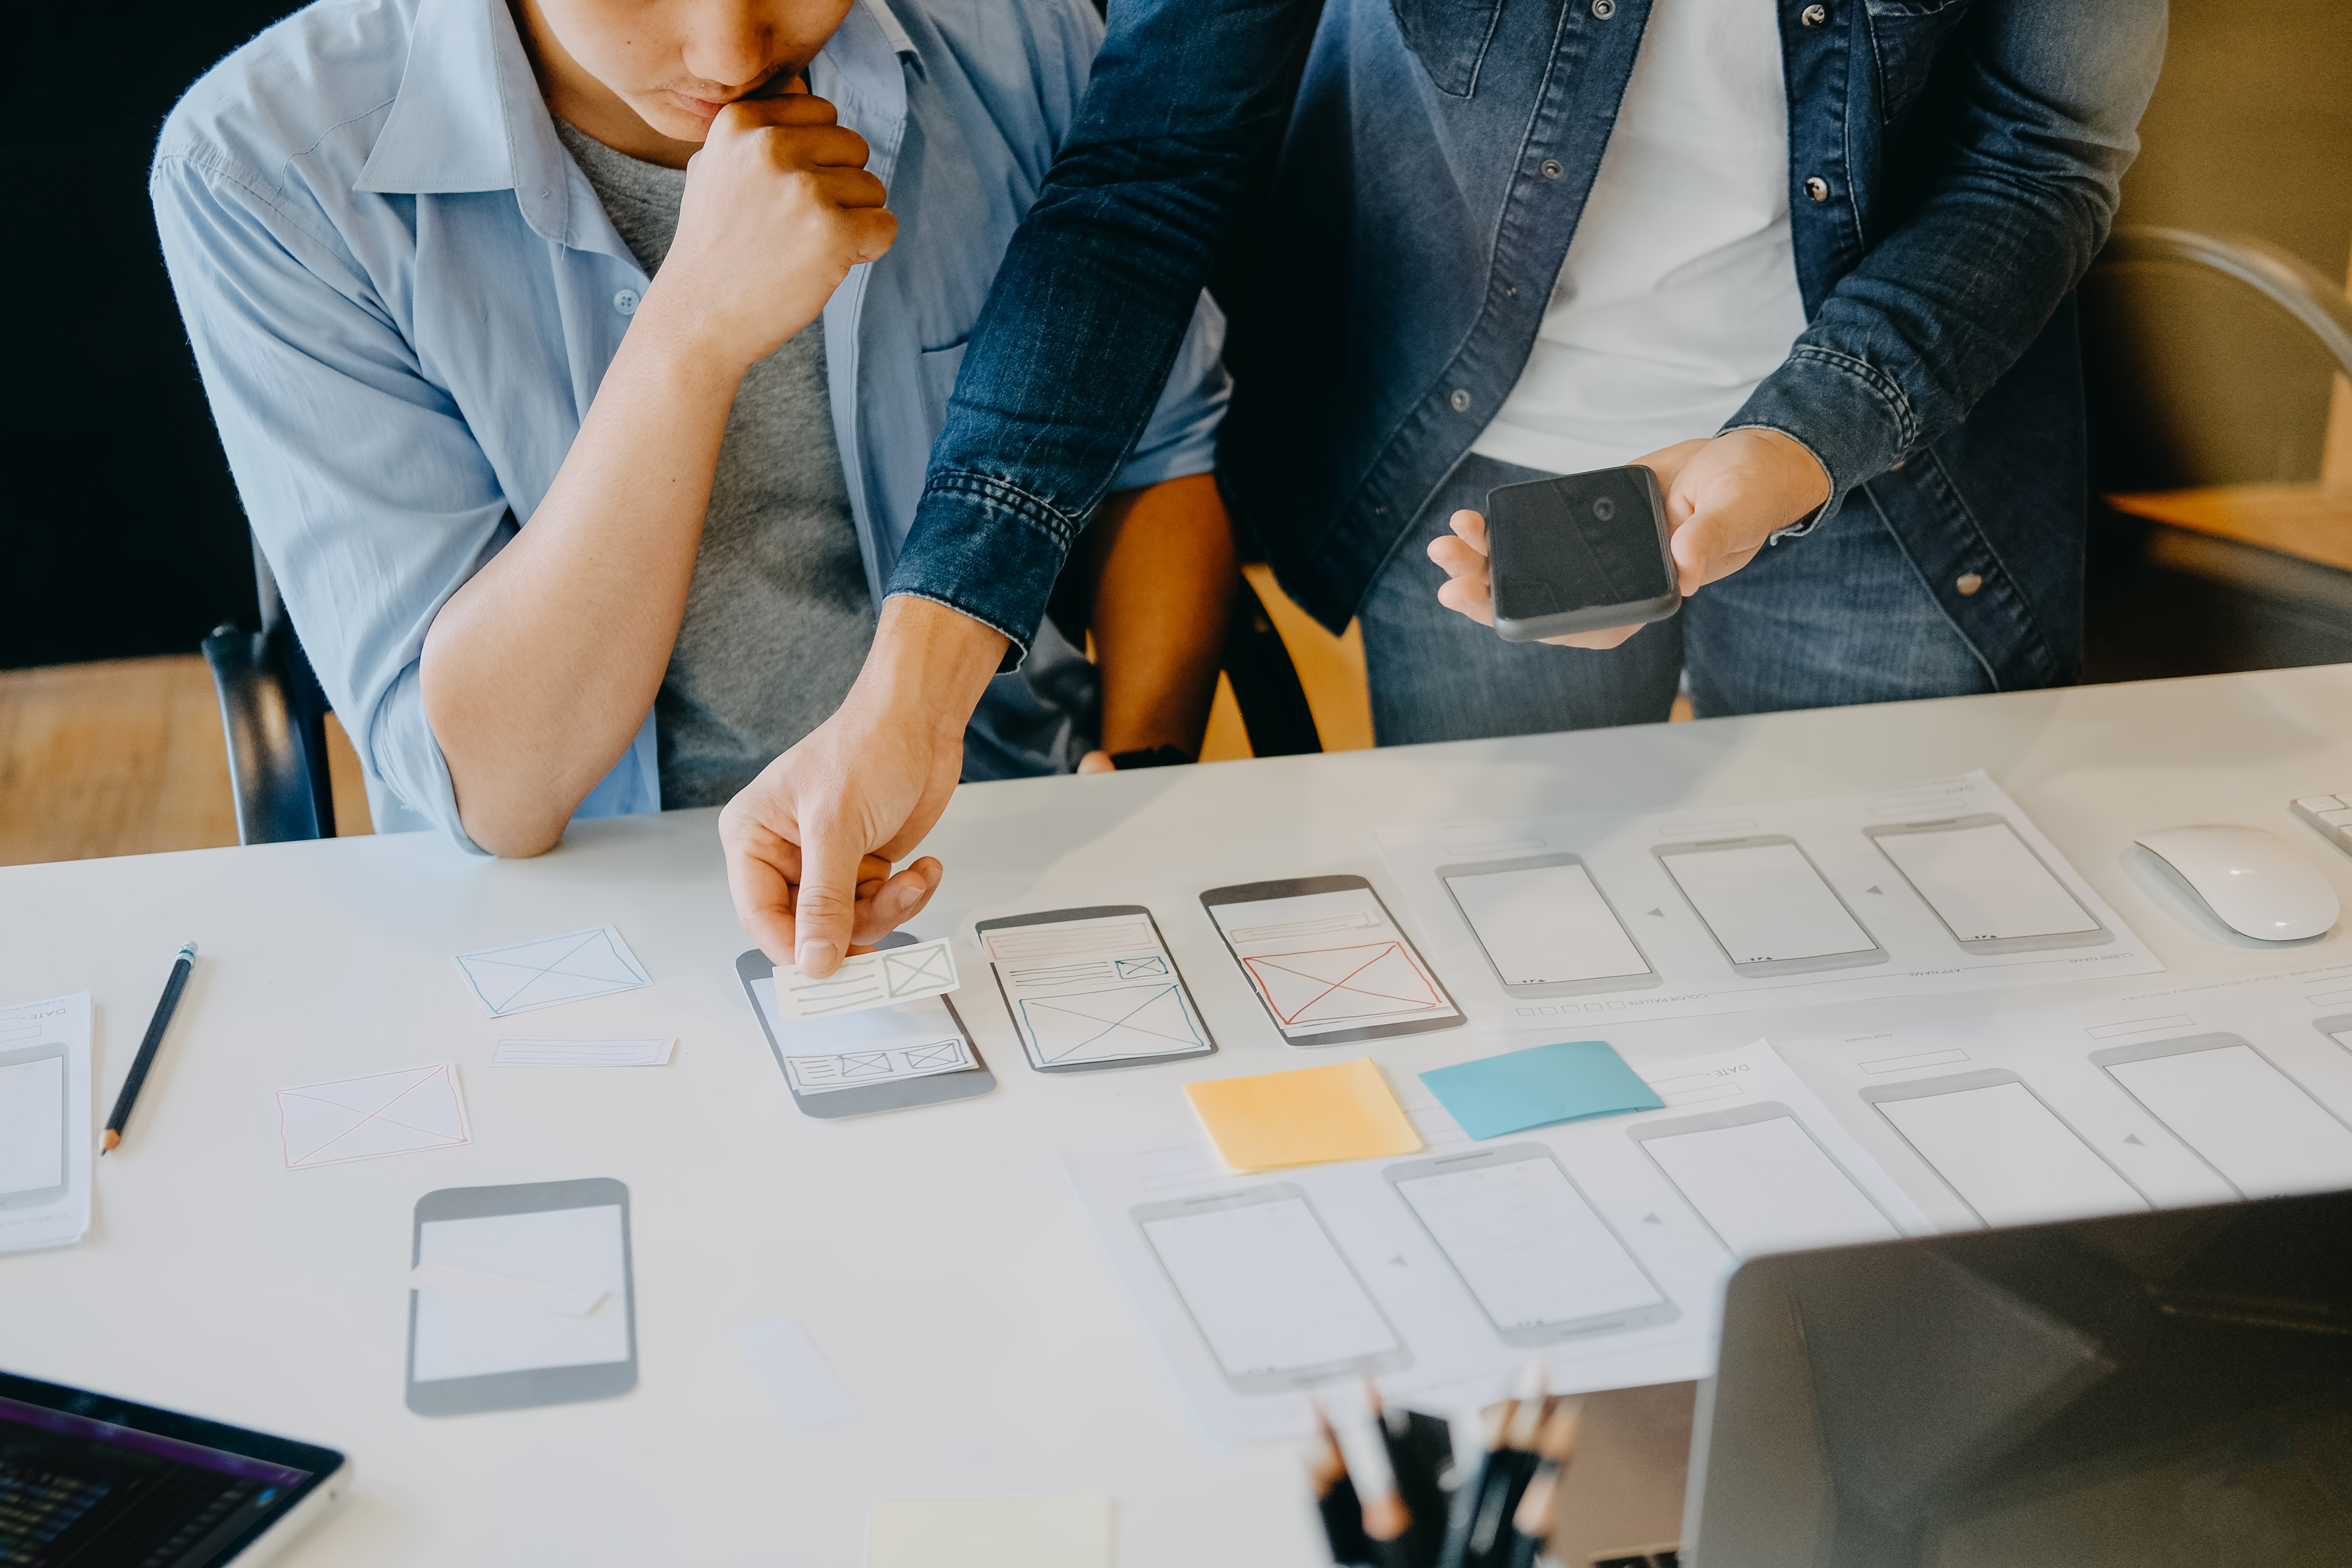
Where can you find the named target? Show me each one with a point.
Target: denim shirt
(402, 295)
(1953, 169)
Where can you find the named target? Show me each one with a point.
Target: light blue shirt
(403, 294)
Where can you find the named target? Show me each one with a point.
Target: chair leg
(269, 766)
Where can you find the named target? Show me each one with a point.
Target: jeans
(1837, 617)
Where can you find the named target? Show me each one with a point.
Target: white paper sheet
(1457, 1354)
(877, 1044)
(650, 1052)
(462, 1335)
(1781, 936)
(2160, 1099)
(552, 971)
(45, 1122)
(886, 978)
(401, 1113)
(795, 1371)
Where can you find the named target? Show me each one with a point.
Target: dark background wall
(119, 534)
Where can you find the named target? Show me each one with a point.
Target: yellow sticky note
(1073, 1530)
(1303, 1118)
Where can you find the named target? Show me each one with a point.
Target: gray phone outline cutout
(34, 1197)
(1283, 1381)
(532, 1386)
(2191, 1044)
(866, 1098)
(1875, 1094)
(2097, 936)
(1665, 1310)
(1876, 953)
(1306, 887)
(1640, 1132)
(1550, 988)
(1091, 912)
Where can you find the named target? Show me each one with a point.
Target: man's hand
(802, 840)
(1724, 497)
(779, 207)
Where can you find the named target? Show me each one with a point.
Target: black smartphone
(1579, 553)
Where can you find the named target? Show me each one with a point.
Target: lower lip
(701, 108)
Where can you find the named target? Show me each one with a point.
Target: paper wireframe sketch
(873, 1045)
(1938, 886)
(362, 1118)
(1659, 1200)
(1328, 961)
(2161, 1099)
(624, 1053)
(1092, 988)
(552, 971)
(45, 1122)
(883, 979)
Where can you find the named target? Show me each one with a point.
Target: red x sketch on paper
(1327, 984)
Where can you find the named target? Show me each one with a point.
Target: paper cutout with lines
(1094, 990)
(882, 979)
(1326, 984)
(872, 1045)
(552, 971)
(364, 1118)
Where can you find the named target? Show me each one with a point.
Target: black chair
(274, 715)
(275, 718)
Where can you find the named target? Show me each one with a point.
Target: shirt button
(1817, 188)
(1604, 9)
(626, 302)
(1551, 168)
(1967, 583)
(1814, 16)
(1461, 401)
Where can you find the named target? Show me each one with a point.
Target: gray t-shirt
(779, 616)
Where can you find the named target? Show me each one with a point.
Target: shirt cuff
(985, 549)
(1849, 414)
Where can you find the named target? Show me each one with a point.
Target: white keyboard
(2331, 815)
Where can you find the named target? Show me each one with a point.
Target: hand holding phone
(1725, 498)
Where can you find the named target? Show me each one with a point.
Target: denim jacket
(1953, 169)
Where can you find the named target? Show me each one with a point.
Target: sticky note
(1072, 1531)
(1535, 1088)
(1303, 1118)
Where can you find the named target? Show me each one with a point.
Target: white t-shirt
(1679, 293)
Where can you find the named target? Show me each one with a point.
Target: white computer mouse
(2250, 881)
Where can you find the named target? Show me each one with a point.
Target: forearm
(1164, 569)
(1094, 295)
(538, 673)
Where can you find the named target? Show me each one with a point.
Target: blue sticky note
(1539, 1087)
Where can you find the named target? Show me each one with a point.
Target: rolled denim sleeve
(2040, 101)
(1093, 301)
(371, 498)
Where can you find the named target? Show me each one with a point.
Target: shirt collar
(468, 115)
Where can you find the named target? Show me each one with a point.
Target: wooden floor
(126, 758)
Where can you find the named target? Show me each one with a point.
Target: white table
(935, 1254)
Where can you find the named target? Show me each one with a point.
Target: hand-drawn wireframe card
(886, 978)
(1328, 961)
(869, 1058)
(361, 1118)
(552, 971)
(1093, 987)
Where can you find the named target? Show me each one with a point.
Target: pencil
(182, 968)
